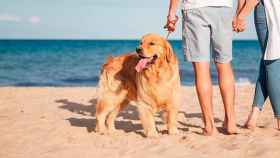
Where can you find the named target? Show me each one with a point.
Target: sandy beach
(59, 122)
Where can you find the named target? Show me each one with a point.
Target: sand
(48, 122)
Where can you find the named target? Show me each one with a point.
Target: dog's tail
(107, 81)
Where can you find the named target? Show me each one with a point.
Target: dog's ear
(169, 54)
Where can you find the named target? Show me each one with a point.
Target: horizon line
(113, 39)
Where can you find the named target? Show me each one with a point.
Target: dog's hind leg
(111, 119)
(102, 112)
(112, 116)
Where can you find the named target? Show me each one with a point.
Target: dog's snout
(139, 50)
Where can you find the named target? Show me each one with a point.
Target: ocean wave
(244, 81)
(93, 79)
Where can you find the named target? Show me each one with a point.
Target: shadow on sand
(128, 115)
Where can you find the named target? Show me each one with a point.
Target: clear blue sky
(88, 19)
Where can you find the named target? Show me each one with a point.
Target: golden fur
(153, 89)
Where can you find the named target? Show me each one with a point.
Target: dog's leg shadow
(127, 119)
(81, 109)
(89, 124)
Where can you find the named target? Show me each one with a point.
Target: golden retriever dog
(148, 77)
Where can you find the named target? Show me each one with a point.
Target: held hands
(171, 23)
(238, 24)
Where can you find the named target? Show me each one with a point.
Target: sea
(63, 63)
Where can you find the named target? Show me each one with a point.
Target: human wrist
(241, 17)
(172, 17)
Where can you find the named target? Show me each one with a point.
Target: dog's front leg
(172, 121)
(147, 119)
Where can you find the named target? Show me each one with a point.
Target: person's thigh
(196, 36)
(273, 86)
(221, 33)
(261, 25)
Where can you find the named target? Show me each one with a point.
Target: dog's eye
(152, 43)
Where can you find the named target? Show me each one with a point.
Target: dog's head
(153, 48)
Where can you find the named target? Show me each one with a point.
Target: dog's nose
(139, 50)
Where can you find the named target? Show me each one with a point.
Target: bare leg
(278, 124)
(252, 118)
(148, 121)
(227, 88)
(172, 121)
(204, 91)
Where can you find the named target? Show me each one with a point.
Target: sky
(89, 19)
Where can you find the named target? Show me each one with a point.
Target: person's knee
(202, 73)
(223, 66)
(225, 70)
(201, 65)
(202, 77)
(202, 69)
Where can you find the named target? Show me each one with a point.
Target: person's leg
(261, 26)
(252, 118)
(227, 88)
(261, 88)
(221, 39)
(204, 92)
(273, 87)
(259, 98)
(196, 45)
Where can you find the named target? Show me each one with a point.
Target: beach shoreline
(59, 122)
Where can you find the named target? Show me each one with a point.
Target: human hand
(238, 24)
(171, 23)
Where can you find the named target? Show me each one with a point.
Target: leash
(168, 32)
(167, 35)
(166, 26)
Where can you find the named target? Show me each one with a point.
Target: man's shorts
(207, 31)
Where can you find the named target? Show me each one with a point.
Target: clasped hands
(238, 24)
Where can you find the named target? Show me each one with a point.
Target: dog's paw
(116, 133)
(101, 131)
(113, 130)
(152, 134)
(173, 131)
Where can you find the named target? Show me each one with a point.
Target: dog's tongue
(142, 63)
